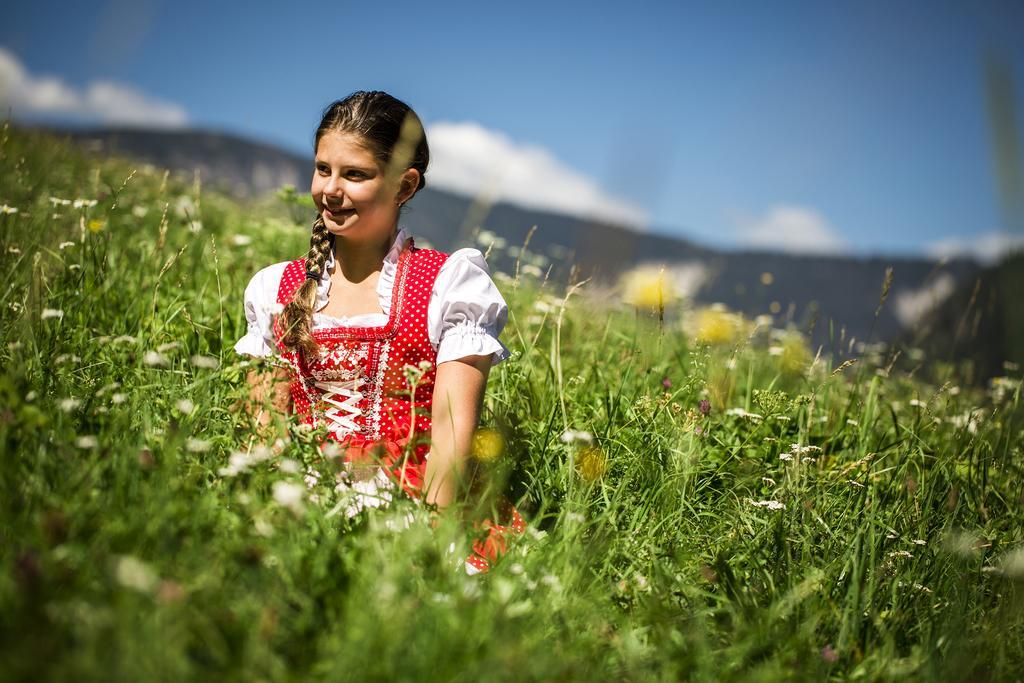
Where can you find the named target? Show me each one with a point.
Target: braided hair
(390, 129)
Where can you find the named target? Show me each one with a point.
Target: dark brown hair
(390, 129)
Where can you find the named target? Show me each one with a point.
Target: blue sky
(855, 127)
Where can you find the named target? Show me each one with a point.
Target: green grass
(125, 554)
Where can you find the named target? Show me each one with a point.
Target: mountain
(833, 296)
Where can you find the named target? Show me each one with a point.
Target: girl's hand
(269, 399)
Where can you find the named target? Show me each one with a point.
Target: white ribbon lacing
(344, 412)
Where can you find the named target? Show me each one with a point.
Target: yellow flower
(591, 463)
(648, 287)
(718, 326)
(95, 225)
(488, 445)
(796, 355)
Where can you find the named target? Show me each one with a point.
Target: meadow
(707, 497)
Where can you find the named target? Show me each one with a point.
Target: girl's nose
(333, 187)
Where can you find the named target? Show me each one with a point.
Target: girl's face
(351, 190)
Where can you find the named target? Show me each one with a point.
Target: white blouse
(465, 315)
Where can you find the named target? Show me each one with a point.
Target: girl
(386, 345)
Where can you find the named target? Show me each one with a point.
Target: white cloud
(988, 247)
(790, 228)
(910, 305)
(99, 102)
(472, 160)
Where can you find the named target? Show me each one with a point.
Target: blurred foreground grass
(707, 499)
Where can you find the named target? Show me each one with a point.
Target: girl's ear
(407, 186)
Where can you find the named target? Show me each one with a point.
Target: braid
(298, 313)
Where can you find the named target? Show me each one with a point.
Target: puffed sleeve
(260, 301)
(466, 311)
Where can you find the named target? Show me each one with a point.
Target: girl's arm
(269, 395)
(458, 393)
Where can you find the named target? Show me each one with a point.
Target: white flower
(109, 387)
(785, 456)
(917, 404)
(770, 504)
(240, 461)
(133, 573)
(125, 339)
(8, 209)
(768, 480)
(66, 358)
(52, 313)
(571, 436)
(900, 553)
(288, 466)
(197, 445)
(532, 270)
(74, 266)
(155, 358)
(775, 350)
(64, 245)
(185, 406)
(118, 398)
(289, 496)
(169, 346)
(14, 306)
(241, 240)
(31, 396)
(740, 412)
(140, 211)
(57, 201)
(919, 541)
(69, 404)
(204, 362)
(83, 203)
(87, 441)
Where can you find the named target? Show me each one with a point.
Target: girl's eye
(323, 170)
(356, 174)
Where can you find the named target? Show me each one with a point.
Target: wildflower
(487, 445)
(8, 209)
(68, 404)
(768, 480)
(241, 240)
(184, 406)
(133, 573)
(64, 245)
(571, 436)
(919, 541)
(197, 445)
(109, 387)
(86, 442)
(170, 591)
(95, 225)
(900, 553)
(57, 201)
(83, 203)
(74, 267)
(289, 496)
(118, 398)
(829, 654)
(704, 406)
(647, 287)
(125, 339)
(240, 461)
(770, 504)
(532, 270)
(666, 383)
(775, 350)
(717, 325)
(66, 358)
(169, 346)
(140, 211)
(918, 404)
(204, 362)
(52, 313)
(13, 250)
(155, 358)
(15, 306)
(740, 412)
(288, 466)
(591, 463)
